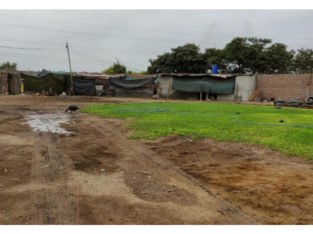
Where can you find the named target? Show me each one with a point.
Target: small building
(44, 82)
(56, 83)
(10, 83)
(134, 86)
(195, 86)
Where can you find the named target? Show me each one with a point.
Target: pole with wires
(69, 62)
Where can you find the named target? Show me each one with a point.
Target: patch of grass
(288, 130)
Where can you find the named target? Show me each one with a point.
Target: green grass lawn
(221, 121)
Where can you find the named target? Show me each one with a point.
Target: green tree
(116, 68)
(161, 64)
(278, 59)
(303, 61)
(244, 54)
(215, 56)
(186, 58)
(8, 66)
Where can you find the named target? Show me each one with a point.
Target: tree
(161, 64)
(241, 55)
(244, 54)
(303, 61)
(184, 59)
(215, 56)
(116, 68)
(278, 59)
(8, 66)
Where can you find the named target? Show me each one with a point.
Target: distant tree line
(241, 55)
(7, 66)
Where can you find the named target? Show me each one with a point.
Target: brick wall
(285, 86)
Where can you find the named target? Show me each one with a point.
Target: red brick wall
(285, 86)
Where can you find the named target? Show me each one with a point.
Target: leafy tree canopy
(116, 68)
(240, 55)
(184, 59)
(303, 62)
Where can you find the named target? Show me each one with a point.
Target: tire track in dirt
(137, 156)
(53, 195)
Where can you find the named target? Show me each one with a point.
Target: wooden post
(70, 65)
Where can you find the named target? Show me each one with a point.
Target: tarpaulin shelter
(190, 86)
(83, 87)
(51, 83)
(54, 83)
(134, 87)
(132, 83)
(211, 85)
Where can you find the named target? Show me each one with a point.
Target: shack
(56, 83)
(44, 82)
(10, 83)
(195, 86)
(134, 86)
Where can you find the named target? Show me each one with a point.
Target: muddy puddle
(51, 123)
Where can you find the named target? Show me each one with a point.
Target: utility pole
(69, 61)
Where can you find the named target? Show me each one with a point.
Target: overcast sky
(98, 38)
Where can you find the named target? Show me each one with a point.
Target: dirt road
(98, 176)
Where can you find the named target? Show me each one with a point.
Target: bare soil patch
(99, 176)
(269, 186)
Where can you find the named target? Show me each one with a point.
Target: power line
(20, 48)
(55, 58)
(108, 27)
(88, 56)
(87, 33)
(50, 45)
(54, 46)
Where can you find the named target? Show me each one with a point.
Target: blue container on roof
(214, 69)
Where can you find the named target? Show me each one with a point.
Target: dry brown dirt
(99, 176)
(266, 185)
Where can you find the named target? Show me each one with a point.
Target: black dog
(72, 108)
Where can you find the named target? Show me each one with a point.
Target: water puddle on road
(49, 123)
